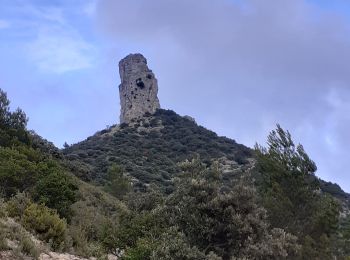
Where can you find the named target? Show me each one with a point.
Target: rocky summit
(138, 89)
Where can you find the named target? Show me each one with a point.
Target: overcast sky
(237, 66)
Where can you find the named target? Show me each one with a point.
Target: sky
(238, 67)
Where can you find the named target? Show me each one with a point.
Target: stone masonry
(138, 89)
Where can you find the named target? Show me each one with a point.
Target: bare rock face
(138, 89)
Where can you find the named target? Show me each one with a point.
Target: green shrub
(17, 205)
(173, 245)
(288, 190)
(228, 222)
(78, 240)
(82, 245)
(3, 243)
(117, 183)
(17, 172)
(12, 124)
(28, 247)
(3, 212)
(109, 238)
(132, 233)
(57, 191)
(143, 250)
(46, 223)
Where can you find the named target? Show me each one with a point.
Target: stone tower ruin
(138, 89)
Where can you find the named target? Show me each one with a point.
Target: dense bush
(93, 209)
(13, 237)
(132, 228)
(228, 223)
(199, 220)
(17, 205)
(3, 242)
(18, 170)
(26, 166)
(290, 194)
(57, 191)
(37, 218)
(28, 247)
(23, 169)
(117, 183)
(46, 223)
(12, 124)
(3, 211)
(173, 244)
(342, 245)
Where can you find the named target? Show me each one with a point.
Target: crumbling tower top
(138, 89)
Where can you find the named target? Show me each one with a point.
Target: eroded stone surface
(138, 89)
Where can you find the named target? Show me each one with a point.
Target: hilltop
(150, 148)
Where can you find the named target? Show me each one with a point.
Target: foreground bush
(17, 205)
(28, 247)
(46, 223)
(227, 221)
(290, 193)
(174, 245)
(56, 190)
(202, 219)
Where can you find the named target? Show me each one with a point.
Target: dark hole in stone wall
(140, 83)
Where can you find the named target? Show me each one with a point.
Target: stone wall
(138, 89)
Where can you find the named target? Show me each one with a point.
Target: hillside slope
(43, 202)
(43, 206)
(150, 148)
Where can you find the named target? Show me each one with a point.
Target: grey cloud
(241, 68)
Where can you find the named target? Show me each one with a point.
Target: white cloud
(55, 52)
(51, 34)
(48, 14)
(54, 45)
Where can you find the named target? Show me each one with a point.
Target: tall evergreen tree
(12, 124)
(291, 192)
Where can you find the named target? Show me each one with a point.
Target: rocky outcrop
(138, 89)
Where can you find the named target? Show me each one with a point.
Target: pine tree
(291, 193)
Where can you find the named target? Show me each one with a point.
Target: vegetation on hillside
(201, 219)
(292, 196)
(41, 196)
(160, 191)
(150, 149)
